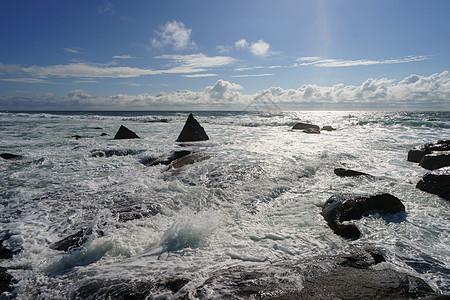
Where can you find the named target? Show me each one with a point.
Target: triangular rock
(192, 131)
(125, 133)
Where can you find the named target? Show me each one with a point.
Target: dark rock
(165, 160)
(436, 182)
(5, 281)
(345, 207)
(137, 212)
(109, 153)
(104, 134)
(348, 172)
(417, 154)
(327, 128)
(72, 241)
(10, 156)
(187, 160)
(158, 121)
(192, 131)
(5, 252)
(113, 289)
(312, 130)
(306, 126)
(125, 133)
(435, 160)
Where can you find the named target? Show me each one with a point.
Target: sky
(224, 55)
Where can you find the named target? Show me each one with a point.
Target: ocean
(252, 200)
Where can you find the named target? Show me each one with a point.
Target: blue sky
(335, 54)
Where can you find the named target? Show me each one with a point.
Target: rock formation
(436, 182)
(418, 153)
(435, 160)
(10, 156)
(192, 131)
(347, 172)
(125, 133)
(305, 126)
(345, 207)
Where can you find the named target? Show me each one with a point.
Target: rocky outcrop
(417, 154)
(436, 182)
(435, 160)
(347, 172)
(72, 241)
(177, 159)
(125, 133)
(192, 131)
(5, 281)
(327, 128)
(10, 156)
(7, 252)
(305, 126)
(345, 207)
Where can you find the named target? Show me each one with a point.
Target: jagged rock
(417, 154)
(348, 172)
(345, 207)
(435, 160)
(5, 281)
(192, 131)
(72, 241)
(436, 182)
(10, 156)
(327, 128)
(5, 252)
(125, 133)
(305, 126)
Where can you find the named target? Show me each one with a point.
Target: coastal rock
(10, 156)
(436, 182)
(165, 160)
(305, 126)
(435, 160)
(125, 133)
(417, 154)
(347, 172)
(72, 241)
(311, 130)
(327, 128)
(157, 121)
(5, 281)
(192, 131)
(187, 160)
(345, 207)
(109, 153)
(6, 252)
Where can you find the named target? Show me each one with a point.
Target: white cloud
(251, 75)
(173, 34)
(224, 91)
(334, 63)
(125, 56)
(199, 75)
(25, 80)
(259, 48)
(72, 50)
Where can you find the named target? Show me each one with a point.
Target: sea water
(255, 200)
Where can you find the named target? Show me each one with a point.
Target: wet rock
(104, 134)
(125, 133)
(113, 289)
(109, 153)
(312, 130)
(327, 128)
(5, 281)
(72, 241)
(165, 160)
(347, 172)
(345, 207)
(192, 131)
(187, 160)
(136, 212)
(304, 126)
(6, 252)
(157, 121)
(435, 160)
(10, 156)
(436, 182)
(417, 154)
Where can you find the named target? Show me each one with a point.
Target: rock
(436, 182)
(345, 207)
(5, 252)
(311, 130)
(192, 131)
(10, 156)
(109, 153)
(327, 128)
(348, 172)
(165, 160)
(72, 241)
(5, 281)
(104, 134)
(125, 133)
(158, 121)
(416, 154)
(306, 126)
(187, 160)
(435, 160)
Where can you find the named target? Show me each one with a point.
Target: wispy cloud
(194, 63)
(106, 8)
(336, 63)
(199, 75)
(125, 56)
(251, 75)
(72, 50)
(25, 80)
(173, 34)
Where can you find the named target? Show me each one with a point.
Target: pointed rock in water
(436, 182)
(345, 207)
(125, 133)
(306, 126)
(192, 131)
(347, 172)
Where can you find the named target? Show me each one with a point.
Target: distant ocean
(253, 199)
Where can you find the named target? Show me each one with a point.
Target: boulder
(72, 241)
(5, 281)
(327, 128)
(187, 160)
(10, 156)
(347, 172)
(192, 131)
(305, 126)
(5, 251)
(435, 160)
(417, 154)
(436, 182)
(165, 160)
(345, 207)
(125, 133)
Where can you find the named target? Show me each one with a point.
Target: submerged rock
(165, 160)
(305, 126)
(435, 160)
(192, 131)
(187, 160)
(436, 182)
(10, 156)
(125, 133)
(112, 152)
(347, 172)
(327, 128)
(72, 241)
(345, 207)
(311, 130)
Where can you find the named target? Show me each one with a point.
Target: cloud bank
(414, 92)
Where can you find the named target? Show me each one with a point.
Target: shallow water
(254, 201)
